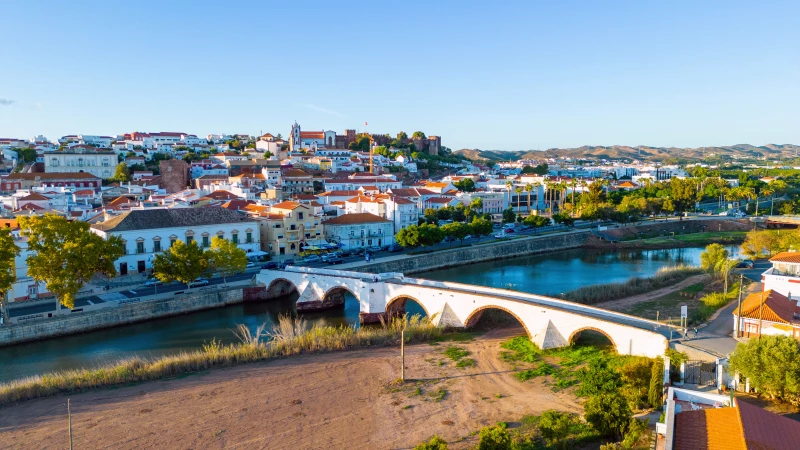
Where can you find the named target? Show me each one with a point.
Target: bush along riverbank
(288, 337)
(655, 241)
(597, 293)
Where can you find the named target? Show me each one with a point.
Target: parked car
(153, 282)
(374, 249)
(395, 248)
(747, 264)
(287, 263)
(344, 253)
(358, 251)
(508, 230)
(467, 237)
(500, 235)
(330, 256)
(250, 265)
(198, 282)
(270, 265)
(312, 258)
(334, 261)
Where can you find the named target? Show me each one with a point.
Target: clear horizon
(503, 76)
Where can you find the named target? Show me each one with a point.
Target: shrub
(609, 414)
(495, 438)
(590, 295)
(598, 379)
(436, 443)
(655, 394)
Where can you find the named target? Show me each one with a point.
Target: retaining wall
(459, 256)
(114, 316)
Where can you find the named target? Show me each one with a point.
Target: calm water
(552, 274)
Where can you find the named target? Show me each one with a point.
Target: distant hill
(642, 152)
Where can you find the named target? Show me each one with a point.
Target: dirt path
(328, 401)
(621, 304)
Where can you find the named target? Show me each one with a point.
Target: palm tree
(548, 188)
(778, 187)
(528, 189)
(518, 190)
(509, 185)
(477, 204)
(573, 183)
(537, 185)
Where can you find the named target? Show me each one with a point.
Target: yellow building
(287, 228)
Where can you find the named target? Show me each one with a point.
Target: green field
(721, 237)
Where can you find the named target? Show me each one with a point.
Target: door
(140, 266)
(123, 268)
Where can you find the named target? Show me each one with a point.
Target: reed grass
(597, 293)
(286, 338)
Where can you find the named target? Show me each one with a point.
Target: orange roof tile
(788, 257)
(776, 307)
(355, 218)
(287, 205)
(712, 429)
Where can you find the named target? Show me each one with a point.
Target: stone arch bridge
(549, 322)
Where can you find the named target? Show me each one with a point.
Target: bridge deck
(666, 331)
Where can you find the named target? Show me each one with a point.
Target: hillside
(642, 152)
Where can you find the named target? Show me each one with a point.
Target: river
(551, 274)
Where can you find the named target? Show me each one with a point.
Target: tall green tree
(8, 251)
(465, 185)
(122, 173)
(457, 230)
(423, 235)
(509, 216)
(226, 258)
(65, 255)
(609, 414)
(481, 226)
(418, 135)
(771, 364)
(181, 262)
(712, 258)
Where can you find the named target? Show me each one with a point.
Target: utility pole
(69, 418)
(739, 308)
(403, 355)
(760, 316)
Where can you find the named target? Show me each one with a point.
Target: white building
(784, 275)
(359, 230)
(100, 163)
(151, 231)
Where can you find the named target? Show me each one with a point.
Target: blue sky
(490, 75)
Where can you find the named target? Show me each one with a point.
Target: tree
(536, 221)
(541, 169)
(465, 185)
(431, 215)
(8, 252)
(122, 173)
(267, 154)
(444, 213)
(609, 414)
(556, 426)
(565, 219)
(712, 257)
(771, 365)
(26, 155)
(182, 262)
(518, 191)
(226, 258)
(65, 255)
(655, 395)
(529, 188)
(435, 443)
(509, 216)
(457, 230)
(402, 136)
(418, 135)
(476, 204)
(459, 213)
(481, 226)
(419, 235)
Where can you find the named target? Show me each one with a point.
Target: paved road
(134, 292)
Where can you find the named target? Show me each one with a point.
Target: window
(189, 239)
(125, 246)
(156, 245)
(205, 241)
(172, 240)
(140, 246)
(300, 215)
(249, 237)
(235, 238)
(54, 162)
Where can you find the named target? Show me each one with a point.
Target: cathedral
(319, 139)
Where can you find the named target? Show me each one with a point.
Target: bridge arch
(574, 335)
(475, 315)
(396, 305)
(280, 287)
(339, 290)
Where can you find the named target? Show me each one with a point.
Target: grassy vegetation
(719, 237)
(701, 307)
(459, 355)
(288, 337)
(590, 295)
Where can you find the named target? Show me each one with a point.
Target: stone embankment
(124, 314)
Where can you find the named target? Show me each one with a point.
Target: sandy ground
(326, 401)
(621, 304)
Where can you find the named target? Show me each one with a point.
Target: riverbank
(667, 242)
(337, 400)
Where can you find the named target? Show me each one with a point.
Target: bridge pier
(367, 318)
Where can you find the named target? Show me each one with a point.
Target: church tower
(294, 138)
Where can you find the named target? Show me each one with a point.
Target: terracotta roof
(361, 199)
(236, 204)
(287, 205)
(742, 427)
(295, 173)
(170, 218)
(256, 208)
(272, 216)
(222, 195)
(355, 218)
(84, 192)
(777, 307)
(337, 203)
(347, 193)
(120, 201)
(439, 200)
(51, 176)
(312, 134)
(788, 257)
(34, 196)
(370, 188)
(712, 429)
(30, 206)
(436, 184)
(402, 201)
